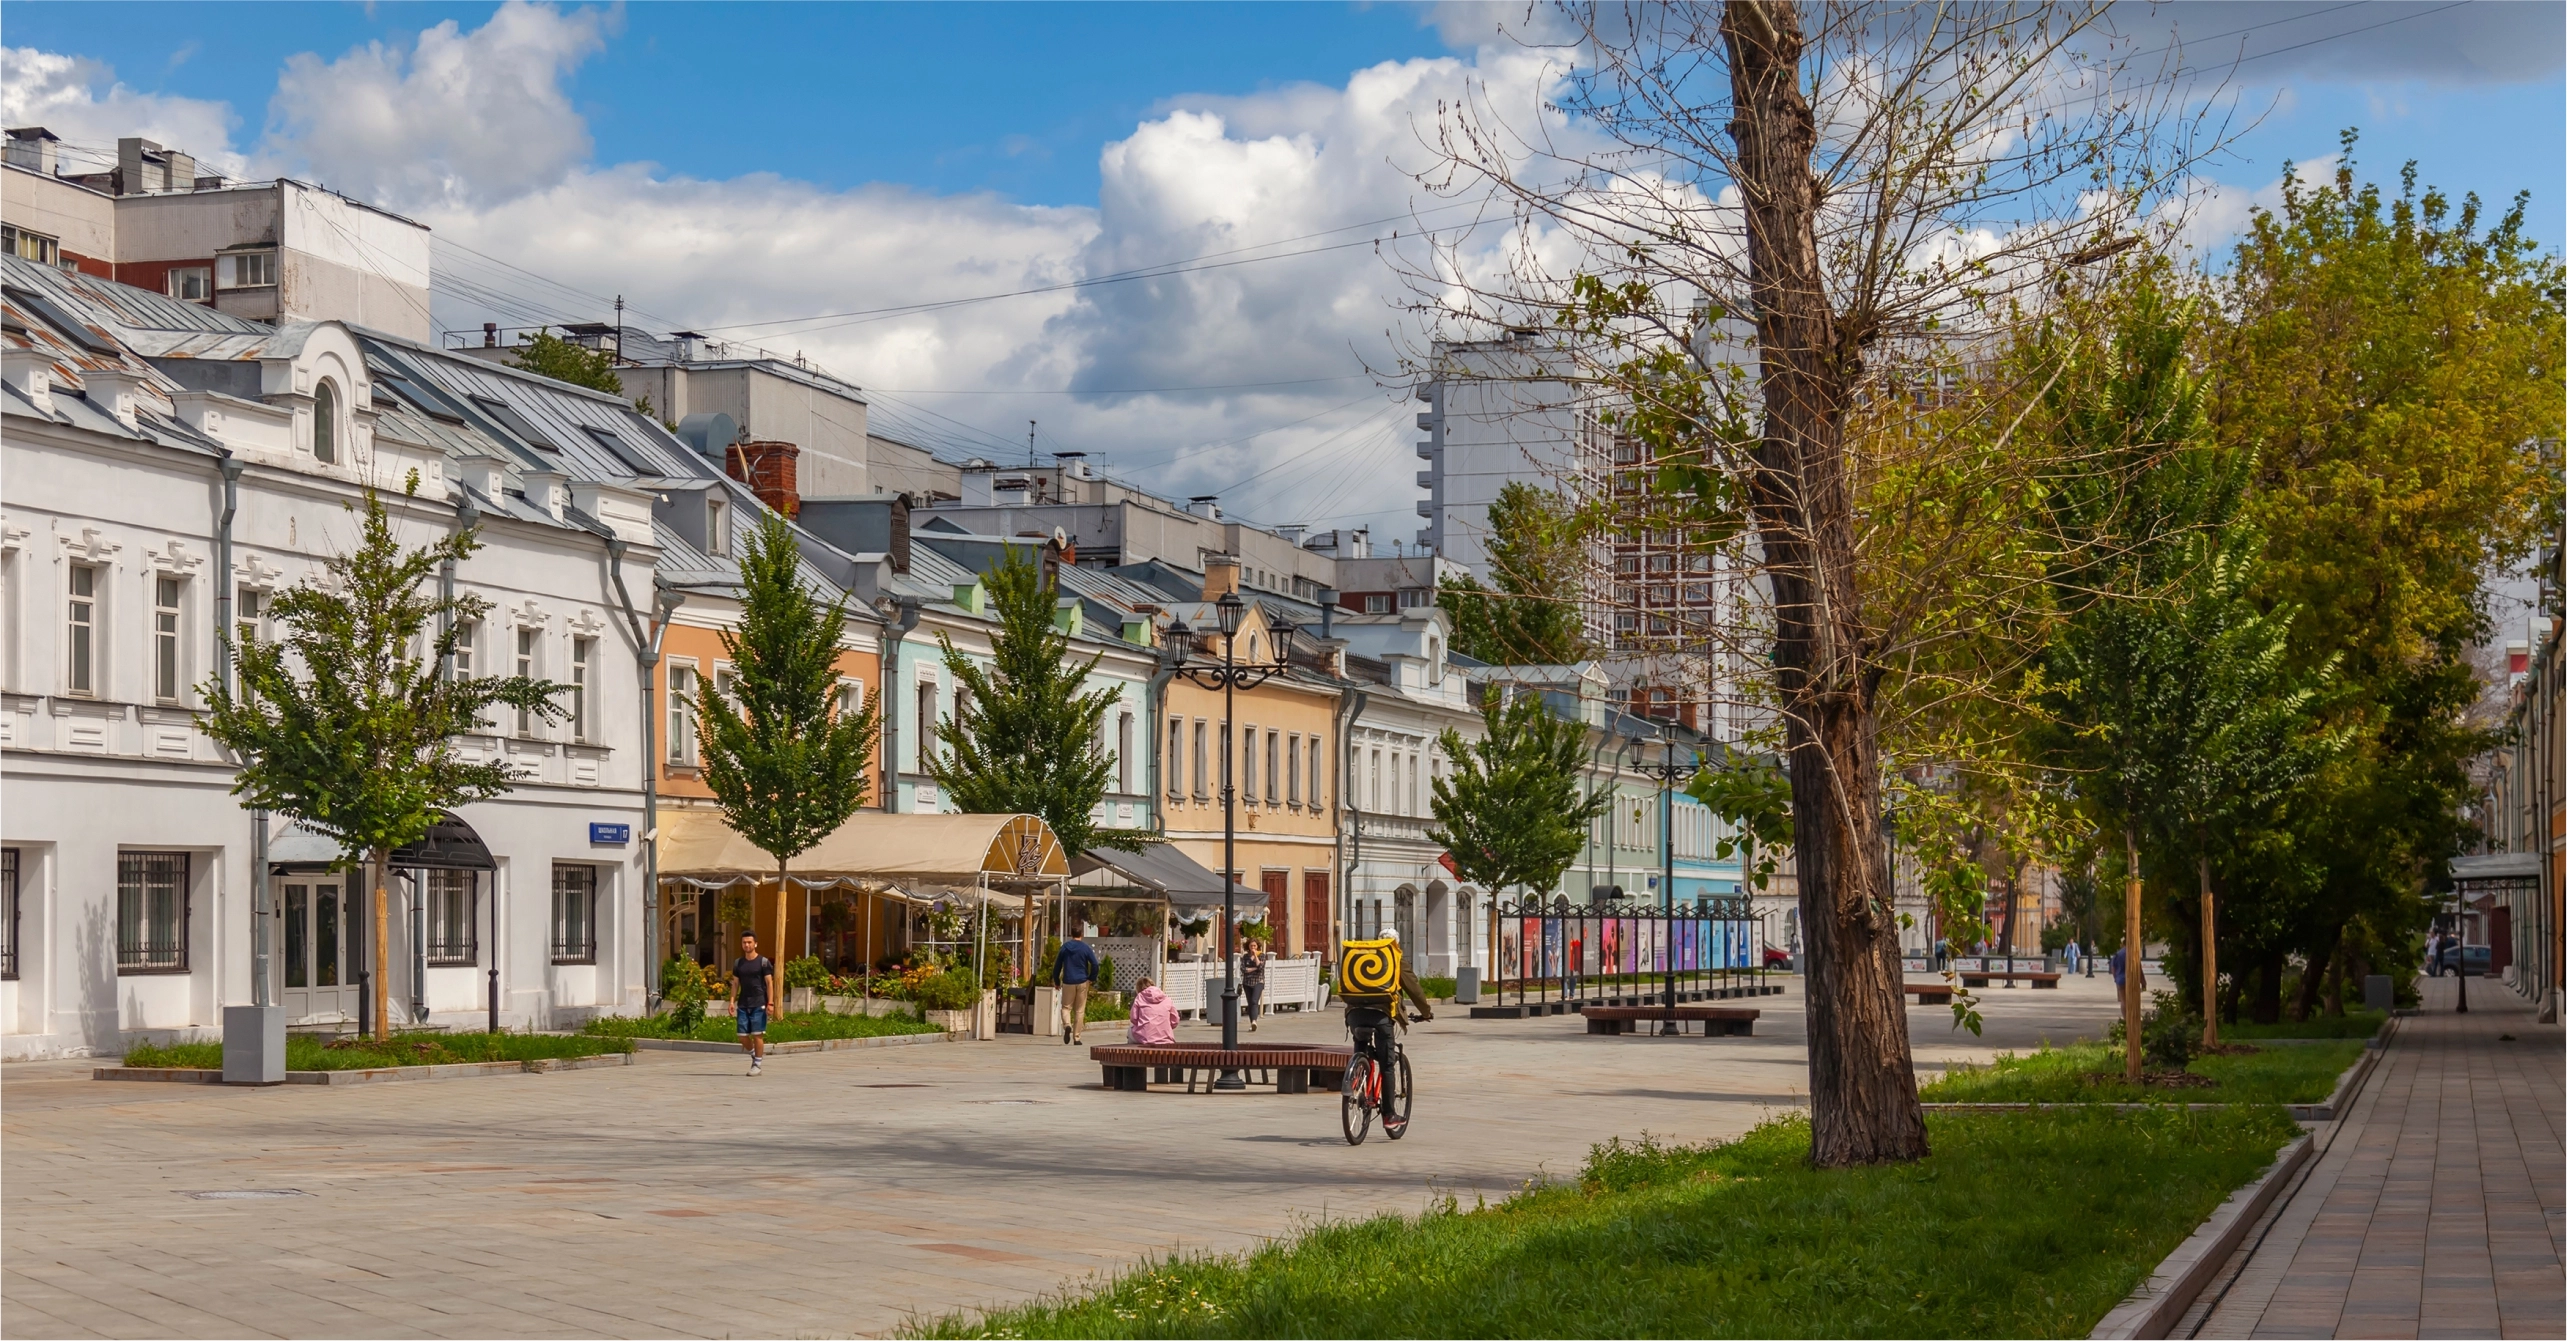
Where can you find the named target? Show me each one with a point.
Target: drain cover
(897, 1085)
(1007, 1101)
(250, 1194)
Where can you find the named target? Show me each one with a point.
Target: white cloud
(82, 101)
(455, 118)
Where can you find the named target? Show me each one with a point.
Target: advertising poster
(1510, 950)
(1610, 934)
(1552, 942)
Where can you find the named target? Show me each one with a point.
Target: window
(1377, 603)
(717, 528)
(926, 724)
(574, 914)
(1434, 660)
(34, 247)
(1375, 791)
(191, 283)
(454, 921)
(249, 612)
(1292, 771)
(1274, 777)
(165, 677)
(681, 714)
(1415, 598)
(325, 422)
(81, 675)
(582, 652)
(1123, 755)
(245, 270)
(526, 670)
(8, 913)
(466, 634)
(1248, 764)
(1202, 756)
(1412, 786)
(851, 698)
(151, 912)
(1175, 761)
(1314, 772)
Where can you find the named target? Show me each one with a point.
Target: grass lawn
(306, 1053)
(2019, 1224)
(792, 1028)
(2350, 1024)
(2091, 1073)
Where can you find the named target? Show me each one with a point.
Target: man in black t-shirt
(750, 978)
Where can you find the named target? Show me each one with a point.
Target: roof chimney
(1220, 575)
(490, 335)
(32, 148)
(768, 468)
(31, 372)
(1207, 506)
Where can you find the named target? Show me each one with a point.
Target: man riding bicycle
(1375, 1027)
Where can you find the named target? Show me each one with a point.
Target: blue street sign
(610, 833)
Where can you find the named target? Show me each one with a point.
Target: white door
(320, 984)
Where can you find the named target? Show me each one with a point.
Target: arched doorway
(1404, 918)
(1437, 949)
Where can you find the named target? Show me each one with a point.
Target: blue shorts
(752, 1019)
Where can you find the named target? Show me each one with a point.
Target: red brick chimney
(768, 469)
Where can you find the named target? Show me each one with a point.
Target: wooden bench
(2035, 977)
(1931, 993)
(1292, 1069)
(1715, 1020)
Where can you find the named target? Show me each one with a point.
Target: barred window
(151, 912)
(454, 921)
(574, 914)
(8, 913)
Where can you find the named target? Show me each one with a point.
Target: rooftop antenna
(619, 329)
(1029, 444)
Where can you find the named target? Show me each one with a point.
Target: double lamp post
(1230, 676)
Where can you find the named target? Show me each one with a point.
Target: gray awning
(1163, 870)
(2495, 866)
(450, 845)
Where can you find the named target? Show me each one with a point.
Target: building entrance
(320, 977)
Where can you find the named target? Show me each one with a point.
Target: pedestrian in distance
(1073, 971)
(1154, 1017)
(2119, 962)
(750, 979)
(1252, 980)
(2433, 953)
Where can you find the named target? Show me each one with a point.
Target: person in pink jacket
(1154, 1020)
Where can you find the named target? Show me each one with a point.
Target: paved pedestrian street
(840, 1193)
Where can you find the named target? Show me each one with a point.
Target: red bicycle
(1372, 1089)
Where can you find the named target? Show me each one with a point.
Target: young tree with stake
(1511, 812)
(345, 726)
(785, 759)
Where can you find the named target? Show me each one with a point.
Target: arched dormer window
(1434, 660)
(325, 422)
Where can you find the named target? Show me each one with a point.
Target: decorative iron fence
(1559, 951)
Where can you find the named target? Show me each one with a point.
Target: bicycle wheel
(1355, 1101)
(1397, 1099)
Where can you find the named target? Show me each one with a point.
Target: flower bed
(304, 1052)
(784, 1028)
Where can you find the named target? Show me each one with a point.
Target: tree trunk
(1863, 1104)
(2130, 960)
(2210, 956)
(382, 982)
(783, 921)
(2268, 988)
(2321, 965)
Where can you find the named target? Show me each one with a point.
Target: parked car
(1777, 958)
(2475, 960)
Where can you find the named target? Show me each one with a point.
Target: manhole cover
(1007, 1101)
(897, 1085)
(250, 1194)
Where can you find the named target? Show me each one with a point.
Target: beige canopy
(697, 844)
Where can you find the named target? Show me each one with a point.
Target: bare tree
(1787, 220)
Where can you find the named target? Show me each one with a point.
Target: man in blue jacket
(1073, 970)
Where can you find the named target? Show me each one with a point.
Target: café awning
(962, 849)
(1162, 869)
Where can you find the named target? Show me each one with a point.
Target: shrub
(684, 986)
(951, 989)
(1104, 975)
(805, 972)
(2170, 1034)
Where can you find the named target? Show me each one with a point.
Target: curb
(379, 1075)
(2158, 1304)
(2346, 1087)
(802, 1045)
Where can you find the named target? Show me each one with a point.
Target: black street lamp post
(1667, 770)
(1229, 677)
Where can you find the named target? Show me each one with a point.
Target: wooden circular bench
(1292, 1069)
(1715, 1020)
(1931, 993)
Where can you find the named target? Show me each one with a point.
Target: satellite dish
(709, 434)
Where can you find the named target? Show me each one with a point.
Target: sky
(727, 167)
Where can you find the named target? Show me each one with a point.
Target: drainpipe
(646, 658)
(231, 468)
(1350, 705)
(902, 617)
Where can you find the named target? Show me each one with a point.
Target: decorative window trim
(90, 546)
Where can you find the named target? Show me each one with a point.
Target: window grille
(8, 913)
(151, 912)
(574, 914)
(454, 921)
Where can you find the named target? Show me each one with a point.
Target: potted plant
(944, 999)
(803, 979)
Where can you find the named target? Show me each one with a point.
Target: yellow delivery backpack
(1368, 973)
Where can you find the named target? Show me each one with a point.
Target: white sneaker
(754, 1064)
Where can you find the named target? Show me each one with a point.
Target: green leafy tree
(1753, 797)
(345, 724)
(1537, 558)
(1511, 811)
(548, 355)
(786, 760)
(1024, 740)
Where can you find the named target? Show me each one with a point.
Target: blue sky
(723, 164)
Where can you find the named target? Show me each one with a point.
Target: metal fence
(1558, 951)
